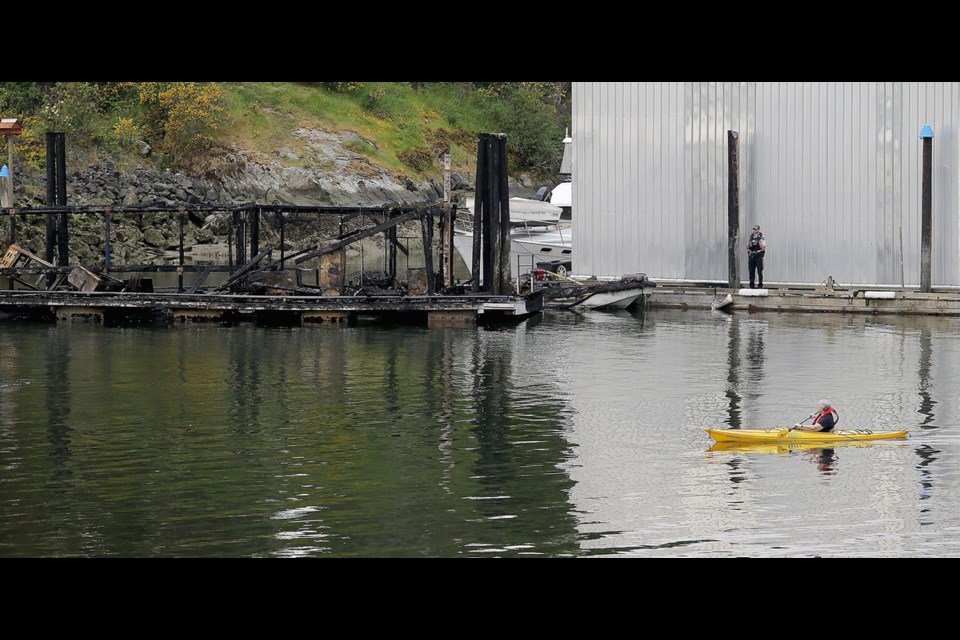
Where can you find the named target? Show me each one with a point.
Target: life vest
(825, 412)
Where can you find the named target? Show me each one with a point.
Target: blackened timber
(199, 281)
(733, 211)
(366, 233)
(239, 273)
(281, 221)
(492, 267)
(230, 243)
(238, 238)
(426, 226)
(181, 219)
(489, 206)
(63, 234)
(477, 212)
(504, 192)
(251, 302)
(255, 231)
(126, 268)
(392, 253)
(396, 243)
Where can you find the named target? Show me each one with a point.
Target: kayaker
(824, 419)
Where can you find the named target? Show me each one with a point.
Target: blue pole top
(4, 172)
(926, 132)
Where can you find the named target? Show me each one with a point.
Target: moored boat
(785, 434)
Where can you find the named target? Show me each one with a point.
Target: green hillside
(403, 126)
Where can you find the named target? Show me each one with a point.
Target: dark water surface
(567, 435)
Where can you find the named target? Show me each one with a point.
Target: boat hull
(783, 434)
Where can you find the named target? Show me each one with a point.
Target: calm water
(567, 435)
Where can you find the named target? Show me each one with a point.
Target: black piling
(57, 239)
(181, 219)
(255, 231)
(733, 210)
(280, 221)
(230, 241)
(477, 211)
(392, 253)
(426, 225)
(491, 241)
(926, 213)
(504, 191)
(491, 265)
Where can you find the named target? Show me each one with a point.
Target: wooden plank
(199, 281)
(244, 269)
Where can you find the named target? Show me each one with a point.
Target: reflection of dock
(872, 299)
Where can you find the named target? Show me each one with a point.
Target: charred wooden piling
(491, 226)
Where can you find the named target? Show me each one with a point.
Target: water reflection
(927, 402)
(58, 373)
(576, 434)
(732, 391)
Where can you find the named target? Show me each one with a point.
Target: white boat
(528, 246)
(525, 210)
(614, 294)
(722, 304)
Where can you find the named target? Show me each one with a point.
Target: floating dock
(872, 299)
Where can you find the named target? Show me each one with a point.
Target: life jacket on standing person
(821, 418)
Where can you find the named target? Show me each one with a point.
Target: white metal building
(831, 172)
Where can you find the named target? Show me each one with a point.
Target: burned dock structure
(269, 284)
(263, 283)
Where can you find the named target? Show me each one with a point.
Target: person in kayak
(824, 419)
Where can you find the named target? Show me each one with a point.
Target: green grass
(394, 116)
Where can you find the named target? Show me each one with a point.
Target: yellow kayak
(783, 434)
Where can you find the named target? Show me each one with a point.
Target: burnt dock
(264, 281)
(257, 283)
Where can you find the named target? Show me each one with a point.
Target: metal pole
(733, 210)
(926, 216)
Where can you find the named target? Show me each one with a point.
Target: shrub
(417, 159)
(184, 116)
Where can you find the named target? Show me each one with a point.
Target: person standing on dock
(825, 418)
(756, 247)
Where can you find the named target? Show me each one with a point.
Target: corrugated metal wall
(831, 171)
